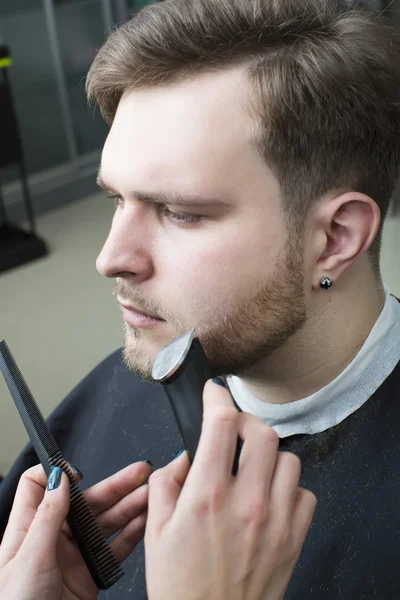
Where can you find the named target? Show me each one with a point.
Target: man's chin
(141, 349)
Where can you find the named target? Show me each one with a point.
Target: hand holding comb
(93, 545)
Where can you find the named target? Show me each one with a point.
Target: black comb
(93, 545)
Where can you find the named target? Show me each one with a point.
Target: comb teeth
(93, 545)
(83, 524)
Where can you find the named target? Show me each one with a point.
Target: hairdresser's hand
(211, 536)
(38, 557)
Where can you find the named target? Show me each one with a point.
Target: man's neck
(337, 327)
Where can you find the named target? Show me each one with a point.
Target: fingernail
(180, 451)
(77, 471)
(219, 381)
(54, 478)
(152, 466)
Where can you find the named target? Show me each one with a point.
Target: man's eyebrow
(171, 199)
(178, 199)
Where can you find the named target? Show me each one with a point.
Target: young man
(253, 151)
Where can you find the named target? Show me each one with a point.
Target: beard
(237, 338)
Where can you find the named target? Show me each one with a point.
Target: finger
(217, 446)
(112, 490)
(119, 498)
(125, 511)
(258, 457)
(165, 486)
(41, 541)
(303, 514)
(126, 541)
(29, 494)
(284, 488)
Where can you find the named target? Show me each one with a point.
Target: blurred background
(57, 314)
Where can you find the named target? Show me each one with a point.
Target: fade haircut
(324, 81)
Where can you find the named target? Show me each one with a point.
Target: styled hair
(324, 82)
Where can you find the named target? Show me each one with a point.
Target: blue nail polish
(180, 451)
(54, 478)
(148, 462)
(77, 471)
(218, 381)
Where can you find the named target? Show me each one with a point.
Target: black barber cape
(352, 551)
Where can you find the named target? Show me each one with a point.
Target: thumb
(165, 486)
(43, 535)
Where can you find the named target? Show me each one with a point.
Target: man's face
(222, 263)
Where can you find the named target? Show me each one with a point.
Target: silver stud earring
(326, 283)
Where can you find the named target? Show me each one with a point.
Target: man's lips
(139, 312)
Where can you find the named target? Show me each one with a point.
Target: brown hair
(325, 78)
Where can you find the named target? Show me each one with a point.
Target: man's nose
(124, 252)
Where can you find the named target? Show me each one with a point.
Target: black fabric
(352, 552)
(353, 548)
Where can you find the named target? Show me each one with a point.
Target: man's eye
(118, 200)
(180, 217)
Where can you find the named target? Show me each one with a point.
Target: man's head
(278, 121)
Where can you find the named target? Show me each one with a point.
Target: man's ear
(344, 228)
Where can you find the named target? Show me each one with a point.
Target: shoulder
(106, 393)
(96, 383)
